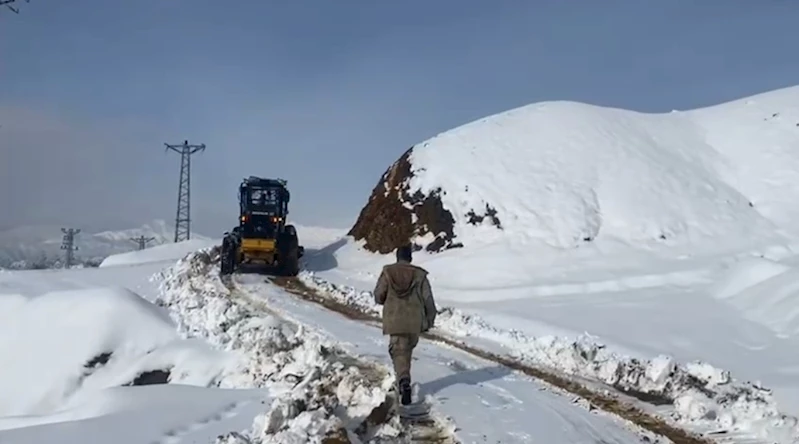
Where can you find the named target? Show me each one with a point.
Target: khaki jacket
(408, 305)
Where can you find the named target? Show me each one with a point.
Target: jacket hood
(402, 278)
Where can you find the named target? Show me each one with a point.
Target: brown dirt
(338, 436)
(601, 401)
(385, 223)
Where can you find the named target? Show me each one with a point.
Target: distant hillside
(39, 246)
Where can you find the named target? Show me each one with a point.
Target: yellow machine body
(258, 250)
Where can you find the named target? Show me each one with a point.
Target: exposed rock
(337, 436)
(151, 378)
(98, 361)
(393, 217)
(490, 214)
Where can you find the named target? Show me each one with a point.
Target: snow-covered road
(487, 402)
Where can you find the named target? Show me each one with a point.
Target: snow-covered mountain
(39, 246)
(564, 175)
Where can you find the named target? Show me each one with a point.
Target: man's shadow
(466, 377)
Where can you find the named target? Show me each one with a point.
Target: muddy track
(426, 430)
(604, 402)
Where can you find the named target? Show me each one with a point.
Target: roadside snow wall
(318, 391)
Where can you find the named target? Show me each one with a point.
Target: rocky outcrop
(393, 216)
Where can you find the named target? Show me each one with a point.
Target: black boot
(405, 390)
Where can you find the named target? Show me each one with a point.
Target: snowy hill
(40, 245)
(564, 175)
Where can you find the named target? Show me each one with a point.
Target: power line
(68, 244)
(182, 220)
(142, 241)
(9, 3)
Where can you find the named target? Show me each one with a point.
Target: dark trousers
(400, 348)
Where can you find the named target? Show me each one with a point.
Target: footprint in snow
(173, 436)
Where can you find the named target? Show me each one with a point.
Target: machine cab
(263, 207)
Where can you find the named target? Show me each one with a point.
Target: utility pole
(9, 3)
(69, 245)
(142, 241)
(182, 220)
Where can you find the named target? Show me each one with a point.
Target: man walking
(408, 310)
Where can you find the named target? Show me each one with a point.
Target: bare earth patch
(392, 217)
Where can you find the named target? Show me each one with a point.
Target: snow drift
(62, 345)
(565, 174)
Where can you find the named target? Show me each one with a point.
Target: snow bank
(62, 344)
(697, 395)
(317, 389)
(160, 253)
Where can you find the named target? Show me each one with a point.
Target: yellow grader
(262, 238)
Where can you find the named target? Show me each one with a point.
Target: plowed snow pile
(318, 390)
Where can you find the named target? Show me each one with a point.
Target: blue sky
(326, 94)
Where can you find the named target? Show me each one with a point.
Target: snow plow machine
(262, 241)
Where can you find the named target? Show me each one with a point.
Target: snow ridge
(697, 395)
(317, 392)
